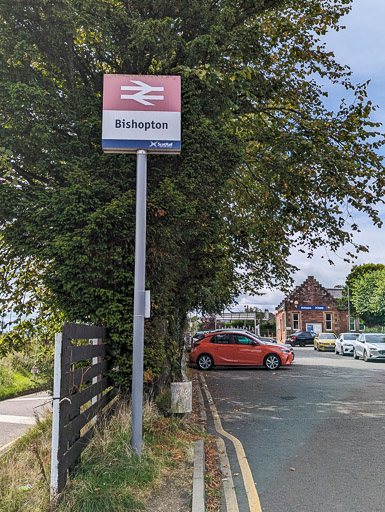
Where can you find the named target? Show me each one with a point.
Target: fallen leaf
(236, 474)
(292, 469)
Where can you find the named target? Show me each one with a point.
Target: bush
(6, 374)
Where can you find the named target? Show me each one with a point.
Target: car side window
(221, 339)
(242, 340)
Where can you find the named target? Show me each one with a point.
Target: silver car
(345, 343)
(369, 346)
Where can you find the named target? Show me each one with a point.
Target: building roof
(333, 293)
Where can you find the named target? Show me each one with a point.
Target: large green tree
(367, 289)
(265, 166)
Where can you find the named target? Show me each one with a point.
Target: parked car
(301, 338)
(369, 346)
(264, 339)
(236, 348)
(199, 335)
(325, 341)
(267, 339)
(345, 343)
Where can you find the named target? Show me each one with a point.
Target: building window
(329, 321)
(352, 323)
(296, 321)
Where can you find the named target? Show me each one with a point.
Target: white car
(345, 343)
(369, 346)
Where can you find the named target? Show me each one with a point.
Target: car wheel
(315, 348)
(272, 362)
(366, 358)
(342, 351)
(205, 362)
(355, 354)
(337, 351)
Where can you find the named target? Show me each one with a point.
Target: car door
(359, 345)
(247, 351)
(223, 348)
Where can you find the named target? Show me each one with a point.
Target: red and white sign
(141, 112)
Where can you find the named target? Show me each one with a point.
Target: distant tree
(368, 297)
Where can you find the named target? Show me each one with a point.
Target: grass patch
(18, 383)
(15, 376)
(24, 471)
(110, 476)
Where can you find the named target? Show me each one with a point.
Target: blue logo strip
(141, 144)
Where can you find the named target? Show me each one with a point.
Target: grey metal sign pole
(139, 300)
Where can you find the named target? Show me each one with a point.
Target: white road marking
(29, 398)
(22, 420)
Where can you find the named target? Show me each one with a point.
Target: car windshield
(375, 338)
(326, 336)
(350, 336)
(257, 339)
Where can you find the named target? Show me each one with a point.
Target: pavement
(17, 415)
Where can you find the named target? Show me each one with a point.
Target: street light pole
(139, 301)
(349, 329)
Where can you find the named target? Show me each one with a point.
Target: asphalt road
(17, 415)
(313, 433)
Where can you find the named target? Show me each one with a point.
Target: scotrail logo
(163, 145)
(142, 95)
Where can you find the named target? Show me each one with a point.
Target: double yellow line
(251, 491)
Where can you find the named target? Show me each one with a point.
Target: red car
(238, 349)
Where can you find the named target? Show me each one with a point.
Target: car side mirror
(254, 343)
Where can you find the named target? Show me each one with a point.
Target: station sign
(141, 112)
(312, 308)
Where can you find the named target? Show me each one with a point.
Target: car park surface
(297, 430)
(345, 343)
(237, 348)
(369, 346)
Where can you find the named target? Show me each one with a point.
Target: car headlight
(285, 350)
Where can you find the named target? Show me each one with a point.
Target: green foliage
(363, 283)
(222, 218)
(368, 296)
(15, 376)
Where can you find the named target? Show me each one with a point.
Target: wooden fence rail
(81, 392)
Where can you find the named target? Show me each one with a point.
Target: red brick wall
(310, 293)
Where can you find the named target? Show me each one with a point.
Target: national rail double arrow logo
(142, 95)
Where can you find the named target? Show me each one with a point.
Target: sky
(361, 46)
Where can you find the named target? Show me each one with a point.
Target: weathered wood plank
(83, 332)
(83, 375)
(74, 354)
(73, 453)
(73, 428)
(82, 397)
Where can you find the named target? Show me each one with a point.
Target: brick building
(311, 307)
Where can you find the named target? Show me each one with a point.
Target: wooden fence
(81, 392)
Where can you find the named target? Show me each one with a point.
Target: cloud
(361, 44)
